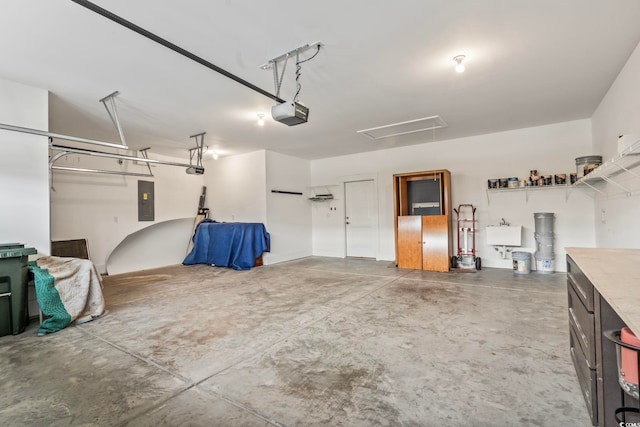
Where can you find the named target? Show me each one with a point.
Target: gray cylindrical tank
(544, 241)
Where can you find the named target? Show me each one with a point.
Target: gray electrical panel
(146, 211)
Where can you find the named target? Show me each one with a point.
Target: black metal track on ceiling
(148, 34)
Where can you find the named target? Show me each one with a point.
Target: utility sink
(504, 235)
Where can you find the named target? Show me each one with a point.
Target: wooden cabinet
(422, 220)
(409, 253)
(594, 357)
(436, 243)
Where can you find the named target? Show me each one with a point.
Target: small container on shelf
(586, 164)
(544, 180)
(573, 178)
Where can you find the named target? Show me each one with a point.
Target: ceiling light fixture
(260, 119)
(215, 155)
(459, 65)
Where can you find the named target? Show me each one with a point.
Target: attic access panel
(404, 128)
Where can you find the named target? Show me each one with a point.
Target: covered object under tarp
(228, 244)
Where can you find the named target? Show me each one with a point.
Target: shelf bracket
(592, 187)
(627, 170)
(612, 182)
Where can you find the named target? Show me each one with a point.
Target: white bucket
(543, 222)
(545, 265)
(521, 262)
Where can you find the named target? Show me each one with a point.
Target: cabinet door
(409, 242)
(435, 243)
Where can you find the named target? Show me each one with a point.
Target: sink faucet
(504, 222)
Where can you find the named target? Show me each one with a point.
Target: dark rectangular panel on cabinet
(576, 277)
(583, 323)
(587, 379)
(423, 196)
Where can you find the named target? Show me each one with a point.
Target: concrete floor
(318, 341)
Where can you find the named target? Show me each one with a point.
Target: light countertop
(615, 273)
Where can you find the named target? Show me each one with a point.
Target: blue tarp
(228, 244)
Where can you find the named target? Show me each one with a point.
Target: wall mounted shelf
(620, 171)
(321, 197)
(322, 193)
(528, 190)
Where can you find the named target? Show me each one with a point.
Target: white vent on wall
(404, 128)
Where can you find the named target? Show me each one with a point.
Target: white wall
(239, 190)
(288, 216)
(104, 208)
(618, 114)
(24, 178)
(549, 149)
(236, 188)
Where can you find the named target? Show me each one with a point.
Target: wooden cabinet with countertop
(603, 294)
(582, 337)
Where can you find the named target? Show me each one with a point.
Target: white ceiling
(528, 63)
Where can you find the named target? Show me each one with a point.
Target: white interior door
(361, 218)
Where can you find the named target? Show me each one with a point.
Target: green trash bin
(14, 271)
